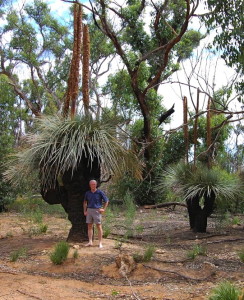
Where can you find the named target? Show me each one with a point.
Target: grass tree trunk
(209, 136)
(76, 185)
(71, 195)
(185, 128)
(195, 133)
(198, 215)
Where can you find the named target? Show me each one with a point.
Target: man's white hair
(93, 180)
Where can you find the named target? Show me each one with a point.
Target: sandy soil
(170, 275)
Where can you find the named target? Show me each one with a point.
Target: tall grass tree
(201, 188)
(63, 155)
(66, 151)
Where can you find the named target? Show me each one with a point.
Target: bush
(146, 256)
(75, 254)
(41, 228)
(225, 291)
(15, 255)
(107, 223)
(197, 250)
(241, 255)
(33, 206)
(130, 212)
(60, 253)
(149, 252)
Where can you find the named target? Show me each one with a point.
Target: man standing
(93, 209)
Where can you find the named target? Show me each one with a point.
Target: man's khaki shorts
(93, 216)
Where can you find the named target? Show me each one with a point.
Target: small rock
(160, 251)
(76, 247)
(236, 226)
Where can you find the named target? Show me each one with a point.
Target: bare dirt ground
(170, 275)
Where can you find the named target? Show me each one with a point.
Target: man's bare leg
(90, 234)
(100, 234)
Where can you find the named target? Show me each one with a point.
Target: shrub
(130, 211)
(60, 253)
(29, 204)
(225, 291)
(241, 255)
(36, 216)
(146, 256)
(149, 252)
(15, 255)
(236, 221)
(41, 228)
(107, 223)
(75, 254)
(197, 250)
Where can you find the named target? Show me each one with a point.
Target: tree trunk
(193, 208)
(71, 196)
(201, 220)
(78, 231)
(197, 215)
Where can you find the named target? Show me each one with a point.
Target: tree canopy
(135, 48)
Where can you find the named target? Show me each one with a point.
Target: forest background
(148, 62)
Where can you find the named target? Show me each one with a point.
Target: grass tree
(67, 150)
(64, 154)
(200, 187)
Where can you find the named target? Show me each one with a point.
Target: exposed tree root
(167, 204)
(178, 274)
(133, 293)
(172, 261)
(223, 241)
(29, 295)
(12, 273)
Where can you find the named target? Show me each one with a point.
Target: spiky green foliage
(58, 145)
(241, 255)
(189, 181)
(146, 256)
(60, 253)
(15, 255)
(225, 291)
(195, 251)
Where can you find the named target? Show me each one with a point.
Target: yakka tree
(66, 151)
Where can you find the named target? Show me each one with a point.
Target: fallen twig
(181, 275)
(164, 205)
(8, 272)
(171, 261)
(222, 241)
(26, 294)
(133, 293)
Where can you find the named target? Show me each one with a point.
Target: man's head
(93, 185)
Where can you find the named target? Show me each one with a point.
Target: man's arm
(105, 205)
(106, 201)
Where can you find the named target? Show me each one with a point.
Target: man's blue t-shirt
(95, 200)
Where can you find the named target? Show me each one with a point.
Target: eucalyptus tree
(150, 40)
(11, 118)
(36, 49)
(226, 17)
(35, 53)
(150, 50)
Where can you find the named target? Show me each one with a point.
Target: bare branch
(168, 48)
